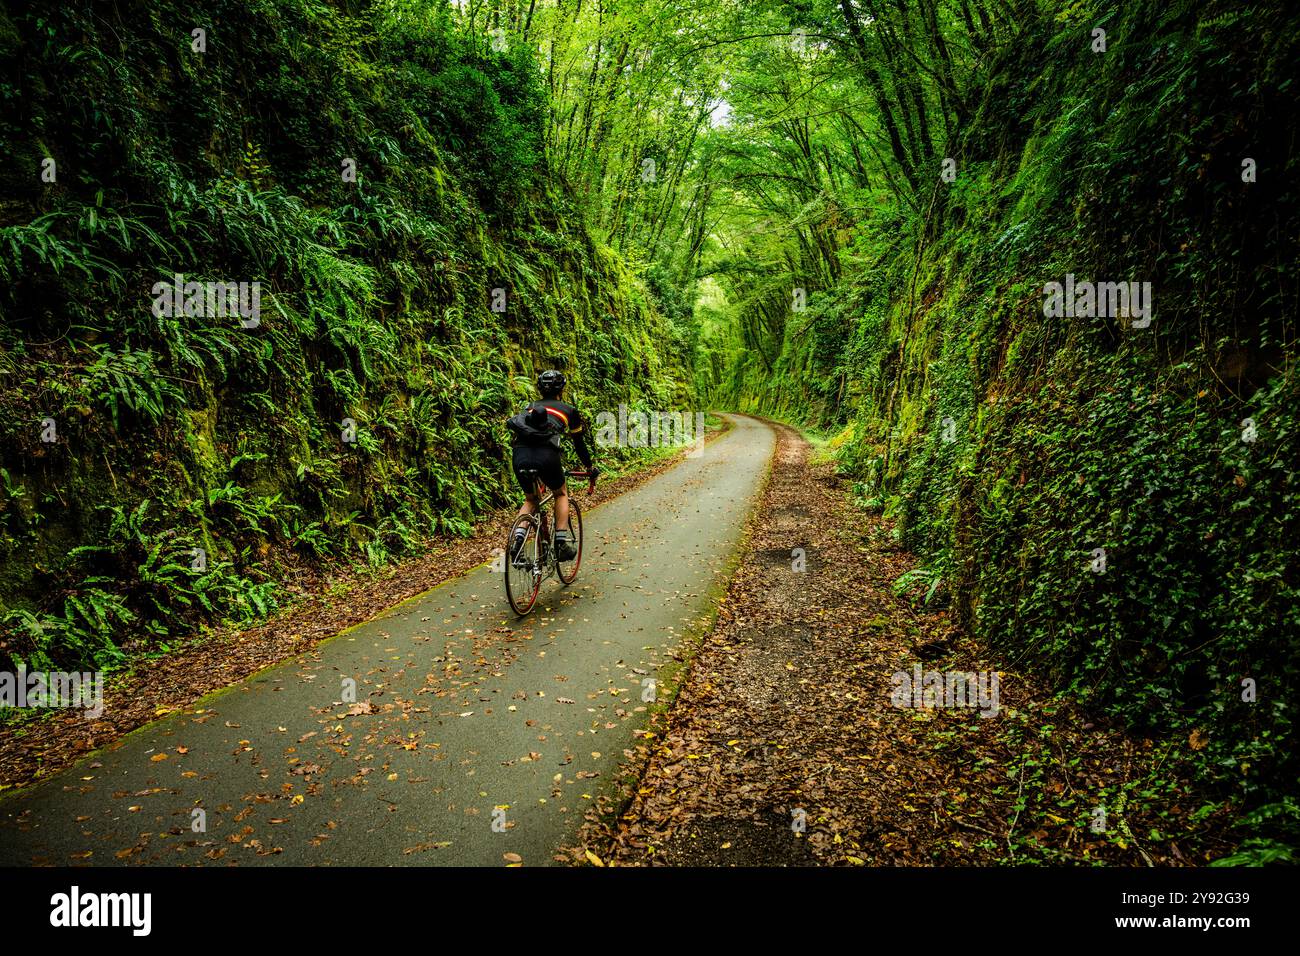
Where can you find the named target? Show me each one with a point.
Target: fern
(129, 380)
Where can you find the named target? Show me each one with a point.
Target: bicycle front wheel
(568, 570)
(523, 571)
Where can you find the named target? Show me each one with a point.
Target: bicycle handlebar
(591, 478)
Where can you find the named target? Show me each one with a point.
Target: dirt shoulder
(784, 744)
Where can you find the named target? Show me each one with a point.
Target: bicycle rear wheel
(523, 579)
(568, 570)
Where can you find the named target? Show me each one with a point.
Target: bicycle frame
(544, 495)
(545, 531)
(545, 528)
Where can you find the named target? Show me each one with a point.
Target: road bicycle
(528, 566)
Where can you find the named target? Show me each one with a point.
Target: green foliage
(158, 587)
(922, 583)
(1280, 817)
(83, 631)
(130, 381)
(1010, 446)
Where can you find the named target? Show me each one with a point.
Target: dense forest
(1029, 267)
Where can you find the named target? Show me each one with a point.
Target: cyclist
(537, 432)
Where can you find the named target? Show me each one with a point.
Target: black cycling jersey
(544, 458)
(571, 424)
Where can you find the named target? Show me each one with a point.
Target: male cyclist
(537, 432)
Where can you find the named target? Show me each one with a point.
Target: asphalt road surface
(474, 735)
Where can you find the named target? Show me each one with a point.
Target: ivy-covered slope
(1113, 505)
(221, 156)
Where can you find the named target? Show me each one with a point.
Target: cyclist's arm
(579, 437)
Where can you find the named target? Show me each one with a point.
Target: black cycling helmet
(550, 383)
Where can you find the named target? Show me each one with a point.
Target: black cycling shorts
(544, 460)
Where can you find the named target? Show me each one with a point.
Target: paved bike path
(463, 709)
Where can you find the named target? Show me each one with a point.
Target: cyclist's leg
(525, 464)
(564, 547)
(551, 471)
(525, 470)
(529, 505)
(561, 508)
